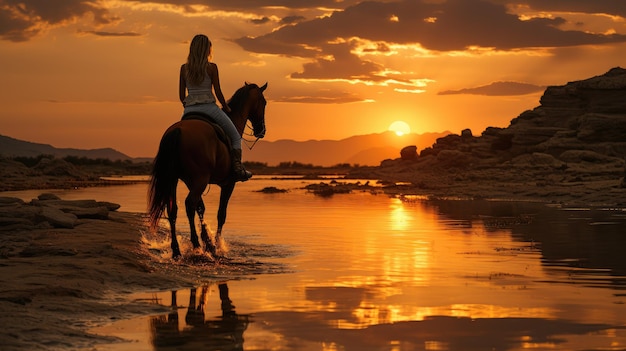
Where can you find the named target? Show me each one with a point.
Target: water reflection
(344, 318)
(368, 272)
(198, 331)
(584, 245)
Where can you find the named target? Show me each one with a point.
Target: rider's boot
(241, 175)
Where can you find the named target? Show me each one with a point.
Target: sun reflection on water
(368, 272)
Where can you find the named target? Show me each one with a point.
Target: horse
(192, 151)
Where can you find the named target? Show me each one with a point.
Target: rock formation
(577, 136)
(49, 211)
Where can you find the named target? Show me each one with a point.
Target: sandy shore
(55, 283)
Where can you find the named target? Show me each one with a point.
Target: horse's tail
(164, 176)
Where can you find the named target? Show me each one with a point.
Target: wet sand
(58, 282)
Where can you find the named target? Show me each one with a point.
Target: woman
(198, 78)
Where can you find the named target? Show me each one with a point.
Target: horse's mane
(239, 97)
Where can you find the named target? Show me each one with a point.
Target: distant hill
(364, 150)
(10, 147)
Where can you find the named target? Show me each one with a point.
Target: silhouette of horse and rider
(223, 332)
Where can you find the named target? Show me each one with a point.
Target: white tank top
(200, 94)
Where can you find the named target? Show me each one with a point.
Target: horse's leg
(227, 191)
(228, 310)
(172, 213)
(204, 234)
(191, 203)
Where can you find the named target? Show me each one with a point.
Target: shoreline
(58, 282)
(426, 185)
(68, 266)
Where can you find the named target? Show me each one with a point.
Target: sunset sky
(93, 74)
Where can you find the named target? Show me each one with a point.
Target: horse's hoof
(211, 249)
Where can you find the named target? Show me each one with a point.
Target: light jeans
(221, 119)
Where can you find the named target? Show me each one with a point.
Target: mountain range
(10, 147)
(364, 150)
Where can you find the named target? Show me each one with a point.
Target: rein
(246, 141)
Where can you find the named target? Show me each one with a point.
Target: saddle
(221, 135)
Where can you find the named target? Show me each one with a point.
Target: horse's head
(257, 111)
(248, 103)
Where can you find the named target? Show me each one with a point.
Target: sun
(400, 128)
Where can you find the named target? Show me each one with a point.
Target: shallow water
(370, 272)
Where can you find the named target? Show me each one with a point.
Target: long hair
(197, 61)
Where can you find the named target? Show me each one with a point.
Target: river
(365, 271)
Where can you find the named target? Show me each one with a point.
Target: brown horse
(191, 150)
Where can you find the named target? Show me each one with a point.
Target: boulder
(409, 153)
(466, 133)
(73, 204)
(58, 218)
(49, 211)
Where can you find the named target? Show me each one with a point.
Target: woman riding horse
(198, 78)
(191, 150)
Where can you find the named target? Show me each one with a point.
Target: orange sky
(92, 74)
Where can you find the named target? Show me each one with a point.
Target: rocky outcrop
(409, 153)
(48, 211)
(576, 136)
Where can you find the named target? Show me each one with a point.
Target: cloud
(250, 5)
(292, 19)
(446, 26)
(21, 20)
(498, 89)
(261, 20)
(111, 34)
(322, 97)
(330, 43)
(609, 7)
(340, 64)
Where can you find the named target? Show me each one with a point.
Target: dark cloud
(610, 7)
(111, 34)
(261, 20)
(252, 5)
(292, 19)
(448, 26)
(452, 25)
(498, 89)
(23, 19)
(344, 65)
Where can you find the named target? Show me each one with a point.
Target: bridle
(246, 141)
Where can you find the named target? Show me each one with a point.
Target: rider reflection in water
(198, 78)
(222, 333)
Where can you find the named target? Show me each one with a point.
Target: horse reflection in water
(224, 332)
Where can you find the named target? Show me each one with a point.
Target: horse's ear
(264, 87)
(245, 83)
